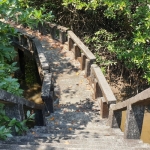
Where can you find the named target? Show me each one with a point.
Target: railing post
(87, 67)
(47, 94)
(97, 90)
(62, 36)
(43, 30)
(104, 108)
(53, 32)
(83, 59)
(76, 50)
(134, 121)
(24, 41)
(114, 118)
(92, 75)
(16, 38)
(15, 111)
(39, 120)
(30, 44)
(40, 27)
(70, 43)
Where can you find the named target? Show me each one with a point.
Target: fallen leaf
(52, 118)
(66, 142)
(33, 132)
(88, 87)
(77, 73)
(81, 81)
(58, 106)
(77, 110)
(70, 129)
(65, 111)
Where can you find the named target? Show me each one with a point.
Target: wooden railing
(135, 108)
(102, 90)
(14, 107)
(30, 44)
(55, 31)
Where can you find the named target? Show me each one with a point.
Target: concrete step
(69, 146)
(89, 142)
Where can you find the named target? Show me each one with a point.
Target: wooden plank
(106, 90)
(80, 44)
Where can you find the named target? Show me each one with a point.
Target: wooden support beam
(77, 52)
(87, 67)
(70, 43)
(62, 36)
(83, 59)
(104, 108)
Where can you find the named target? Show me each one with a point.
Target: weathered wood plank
(80, 44)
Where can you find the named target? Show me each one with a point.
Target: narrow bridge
(83, 110)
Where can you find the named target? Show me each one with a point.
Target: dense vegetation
(18, 11)
(14, 10)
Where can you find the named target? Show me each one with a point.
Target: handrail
(14, 107)
(11, 98)
(87, 59)
(135, 109)
(32, 44)
(104, 86)
(142, 98)
(80, 44)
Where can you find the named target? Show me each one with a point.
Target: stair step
(69, 146)
(61, 143)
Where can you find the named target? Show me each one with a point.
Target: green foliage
(100, 42)
(7, 54)
(130, 44)
(19, 11)
(6, 81)
(8, 125)
(31, 17)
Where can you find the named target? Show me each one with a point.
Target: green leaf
(12, 122)
(9, 135)
(28, 114)
(16, 129)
